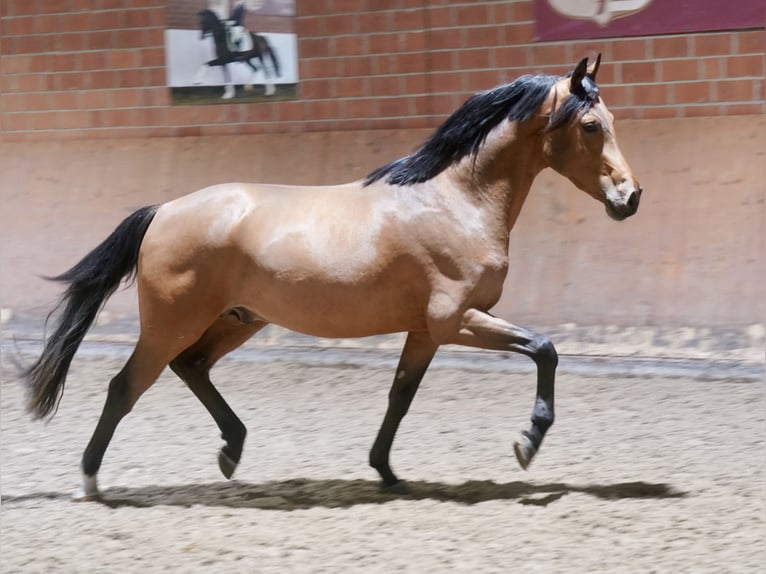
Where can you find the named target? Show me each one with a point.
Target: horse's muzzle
(628, 206)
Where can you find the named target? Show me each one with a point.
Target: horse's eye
(590, 127)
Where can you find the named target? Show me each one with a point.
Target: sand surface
(654, 475)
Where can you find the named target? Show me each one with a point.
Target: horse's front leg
(480, 329)
(413, 363)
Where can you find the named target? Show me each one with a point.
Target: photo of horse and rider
(239, 51)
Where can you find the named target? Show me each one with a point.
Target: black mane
(466, 129)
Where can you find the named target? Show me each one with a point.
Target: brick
(117, 59)
(136, 18)
(734, 90)
(126, 98)
(409, 19)
(519, 33)
(692, 92)
(360, 108)
(41, 120)
(522, 12)
(65, 100)
(92, 61)
(71, 42)
(383, 86)
(97, 99)
(745, 66)
(448, 39)
(21, 26)
(618, 96)
(480, 80)
(638, 72)
(629, 49)
(350, 45)
(751, 42)
(50, 6)
(319, 68)
(347, 88)
(73, 119)
(678, 70)
(339, 24)
(671, 47)
(650, 94)
(316, 47)
(446, 82)
(103, 79)
(542, 54)
(394, 107)
(712, 44)
(107, 20)
(479, 37)
(440, 16)
(474, 14)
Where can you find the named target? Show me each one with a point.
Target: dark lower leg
(544, 355)
(233, 431)
(138, 374)
(193, 367)
(116, 407)
(416, 356)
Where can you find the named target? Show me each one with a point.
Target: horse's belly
(326, 304)
(324, 311)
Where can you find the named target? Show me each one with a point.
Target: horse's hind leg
(138, 374)
(413, 363)
(193, 367)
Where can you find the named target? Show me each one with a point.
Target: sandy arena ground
(638, 475)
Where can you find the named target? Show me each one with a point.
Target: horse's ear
(593, 69)
(575, 83)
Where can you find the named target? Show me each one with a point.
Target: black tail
(274, 59)
(91, 282)
(268, 49)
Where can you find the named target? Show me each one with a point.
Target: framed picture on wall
(221, 51)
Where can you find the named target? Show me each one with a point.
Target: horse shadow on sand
(303, 493)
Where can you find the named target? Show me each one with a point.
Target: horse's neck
(502, 175)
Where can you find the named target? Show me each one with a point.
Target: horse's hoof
(270, 90)
(525, 451)
(88, 490)
(226, 464)
(248, 87)
(399, 488)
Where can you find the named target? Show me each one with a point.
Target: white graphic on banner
(600, 11)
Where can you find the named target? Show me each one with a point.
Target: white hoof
(270, 89)
(228, 93)
(87, 491)
(525, 451)
(248, 87)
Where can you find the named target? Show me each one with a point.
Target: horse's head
(208, 22)
(580, 142)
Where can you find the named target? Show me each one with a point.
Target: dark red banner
(579, 19)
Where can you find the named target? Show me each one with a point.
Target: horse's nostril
(633, 199)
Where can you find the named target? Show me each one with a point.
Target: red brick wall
(95, 68)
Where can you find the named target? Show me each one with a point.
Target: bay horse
(418, 246)
(260, 49)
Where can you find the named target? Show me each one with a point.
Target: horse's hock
(691, 258)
